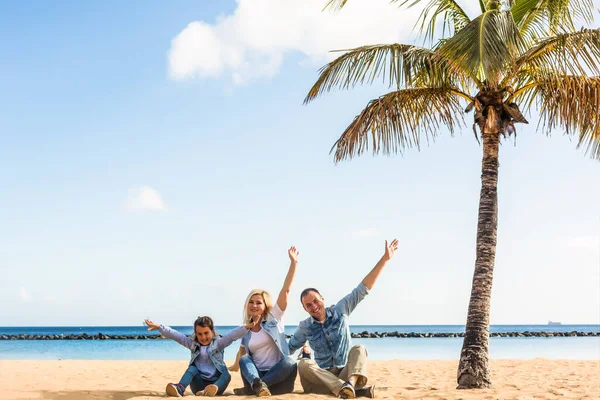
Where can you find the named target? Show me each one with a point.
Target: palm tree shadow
(98, 394)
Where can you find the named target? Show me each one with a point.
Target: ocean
(575, 348)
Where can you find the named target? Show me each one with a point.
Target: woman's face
(256, 306)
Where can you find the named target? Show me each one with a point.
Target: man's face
(314, 304)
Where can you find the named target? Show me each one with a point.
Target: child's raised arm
(235, 334)
(171, 334)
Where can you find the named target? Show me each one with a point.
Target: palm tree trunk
(473, 368)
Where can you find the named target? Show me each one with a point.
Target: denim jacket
(330, 340)
(276, 330)
(215, 348)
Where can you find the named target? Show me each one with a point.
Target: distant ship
(554, 323)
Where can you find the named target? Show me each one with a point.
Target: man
(337, 368)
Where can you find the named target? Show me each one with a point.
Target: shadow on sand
(99, 394)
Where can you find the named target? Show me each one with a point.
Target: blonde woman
(263, 359)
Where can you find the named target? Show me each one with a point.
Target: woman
(263, 357)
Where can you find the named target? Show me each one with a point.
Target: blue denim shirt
(276, 330)
(215, 348)
(331, 339)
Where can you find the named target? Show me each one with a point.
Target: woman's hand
(235, 367)
(293, 253)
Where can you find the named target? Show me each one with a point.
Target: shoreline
(421, 379)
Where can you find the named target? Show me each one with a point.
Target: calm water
(579, 348)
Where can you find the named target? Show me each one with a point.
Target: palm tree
(518, 54)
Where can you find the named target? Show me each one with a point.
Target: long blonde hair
(266, 299)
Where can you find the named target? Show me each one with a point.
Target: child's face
(204, 335)
(256, 306)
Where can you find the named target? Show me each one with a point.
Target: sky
(157, 160)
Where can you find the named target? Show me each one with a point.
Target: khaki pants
(325, 381)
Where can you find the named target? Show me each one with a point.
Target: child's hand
(151, 325)
(252, 323)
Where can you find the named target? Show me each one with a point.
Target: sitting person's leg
(251, 376)
(286, 386)
(177, 389)
(218, 386)
(280, 378)
(280, 371)
(355, 374)
(318, 380)
(198, 384)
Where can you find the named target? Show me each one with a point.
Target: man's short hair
(306, 291)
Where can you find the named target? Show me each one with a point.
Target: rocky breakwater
(82, 336)
(362, 335)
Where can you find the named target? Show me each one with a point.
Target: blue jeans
(280, 378)
(197, 383)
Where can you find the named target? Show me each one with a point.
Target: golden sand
(396, 379)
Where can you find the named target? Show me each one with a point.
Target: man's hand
(390, 249)
(151, 325)
(305, 353)
(371, 278)
(293, 253)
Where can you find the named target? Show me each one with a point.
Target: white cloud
(144, 198)
(369, 232)
(24, 295)
(585, 242)
(251, 42)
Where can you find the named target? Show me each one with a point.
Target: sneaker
(367, 391)
(347, 391)
(210, 391)
(245, 391)
(260, 388)
(175, 390)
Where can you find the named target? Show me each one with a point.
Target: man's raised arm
(350, 301)
(372, 276)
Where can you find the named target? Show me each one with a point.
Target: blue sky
(141, 180)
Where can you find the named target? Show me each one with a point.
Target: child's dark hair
(205, 322)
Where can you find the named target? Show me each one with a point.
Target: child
(206, 367)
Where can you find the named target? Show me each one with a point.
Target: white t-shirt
(265, 353)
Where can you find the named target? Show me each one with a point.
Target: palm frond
(400, 65)
(399, 120)
(453, 16)
(575, 53)
(335, 4)
(486, 46)
(568, 102)
(540, 18)
(482, 6)
(521, 9)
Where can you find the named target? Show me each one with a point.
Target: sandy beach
(124, 380)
